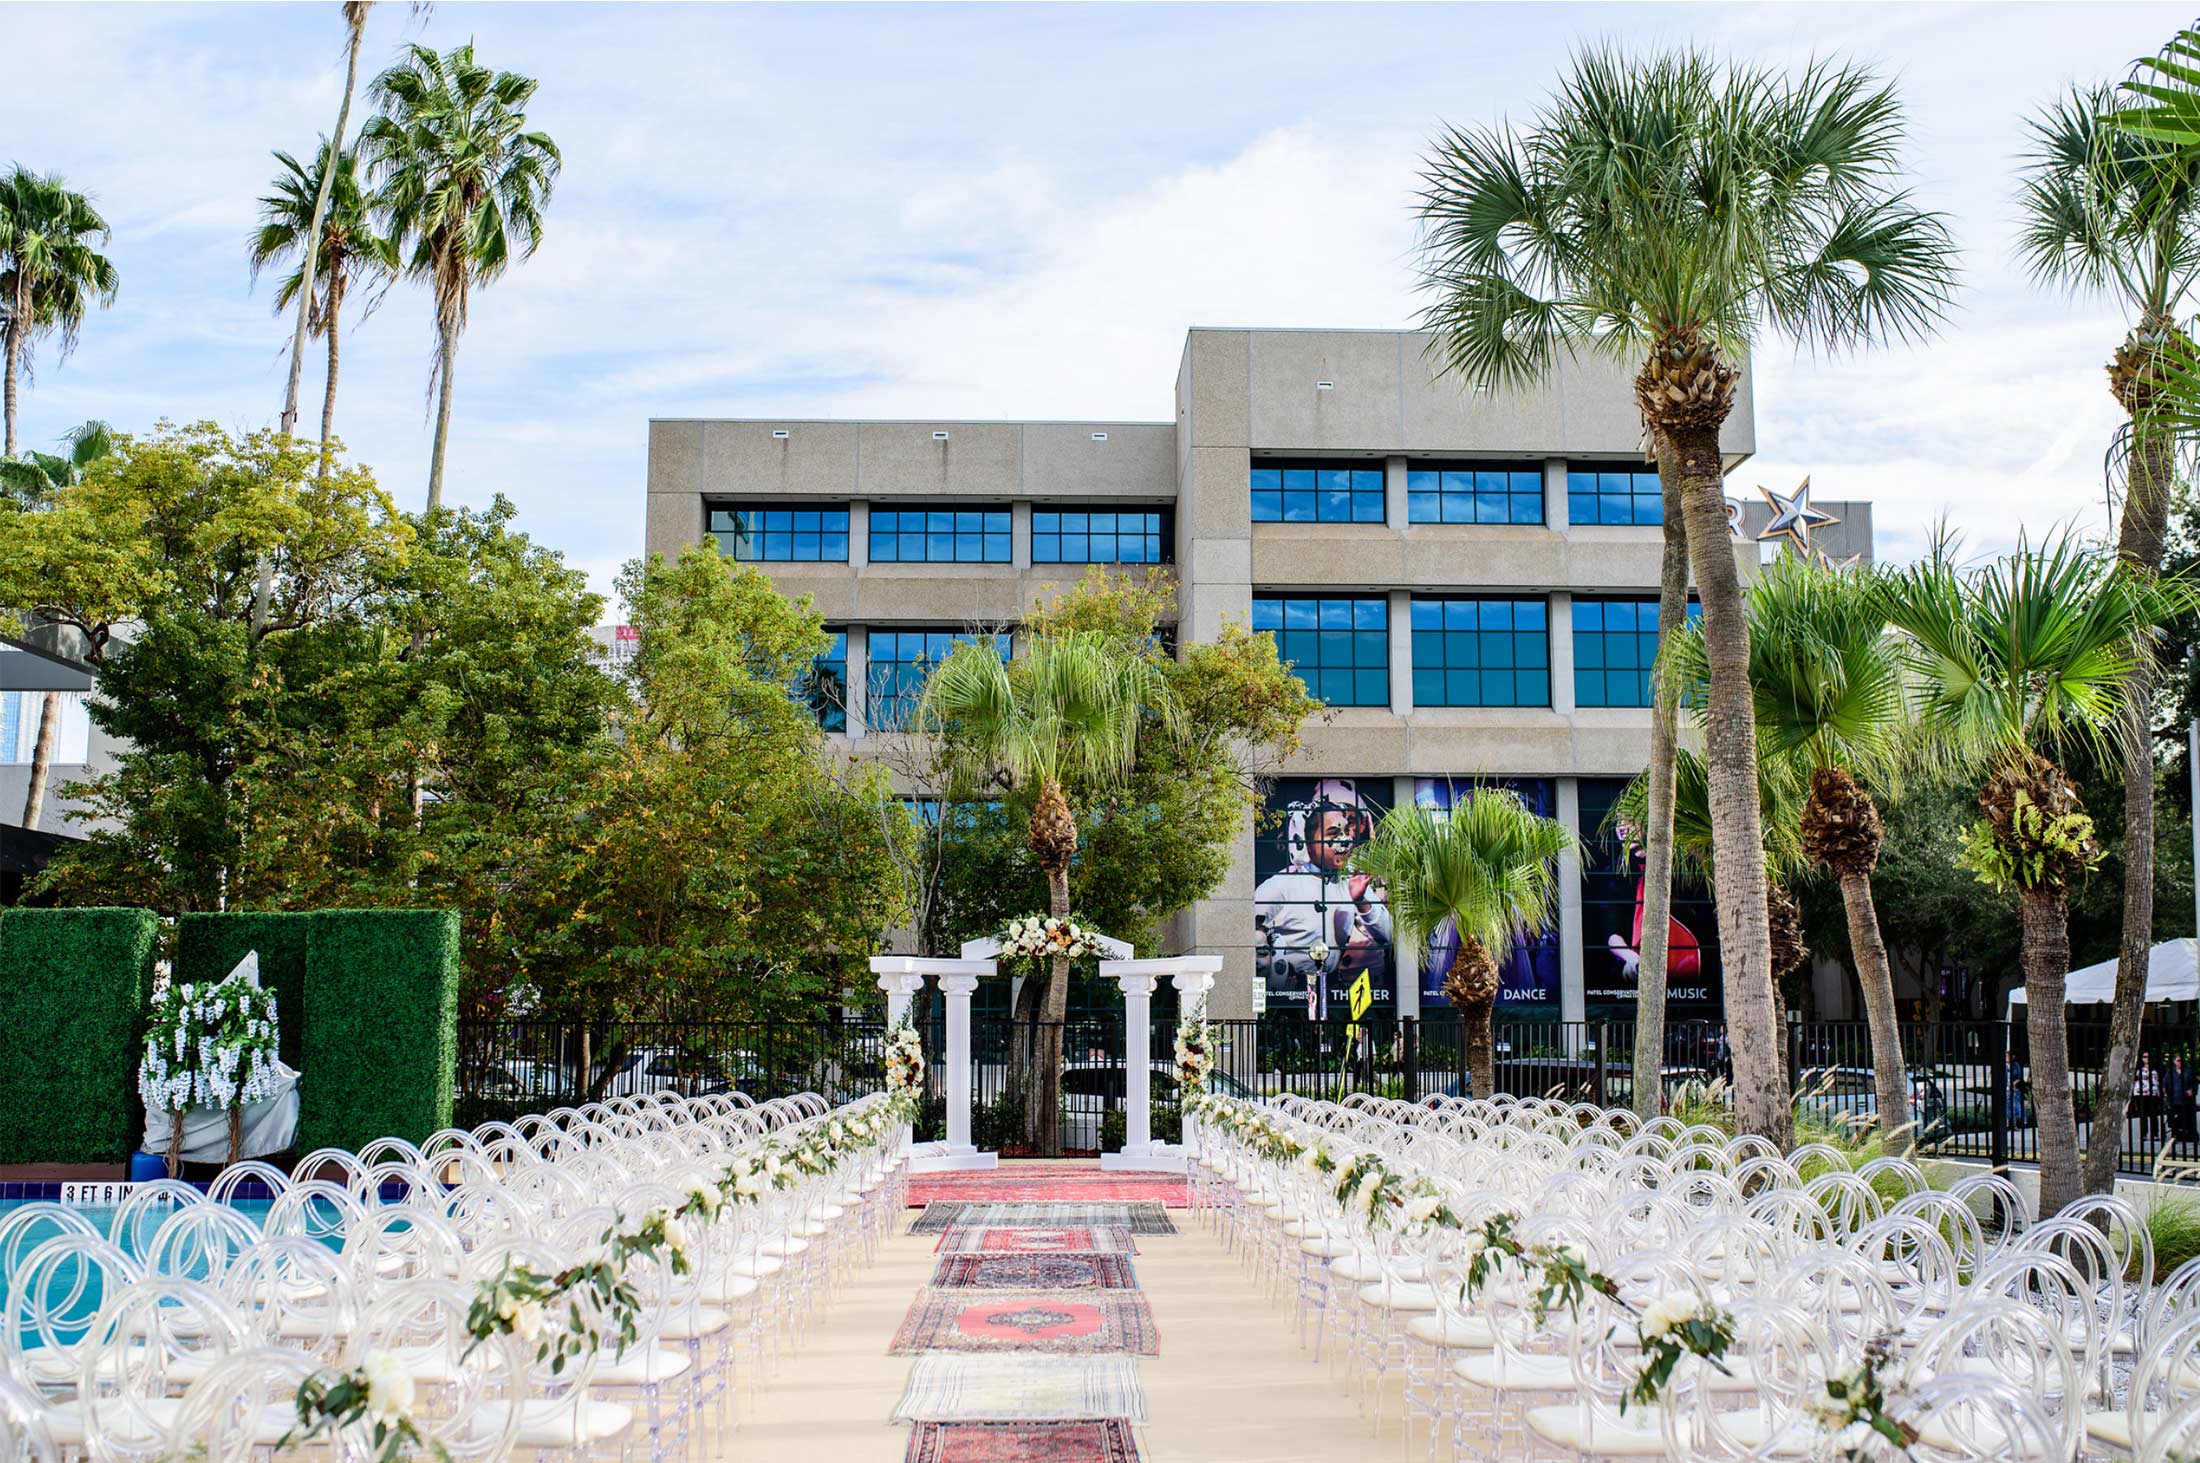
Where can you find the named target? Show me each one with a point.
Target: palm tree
(1666, 212)
(350, 252)
(462, 184)
(31, 480)
(1487, 866)
(49, 271)
(2109, 213)
(1066, 717)
(1827, 675)
(355, 33)
(2014, 665)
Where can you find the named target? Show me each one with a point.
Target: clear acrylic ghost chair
(244, 1404)
(150, 1341)
(2003, 1216)
(315, 1209)
(27, 1226)
(145, 1209)
(656, 1374)
(1850, 1203)
(2094, 1256)
(200, 1243)
(1844, 1294)
(2167, 1372)
(2049, 1284)
(294, 1293)
(2175, 1436)
(1786, 1357)
(1976, 1419)
(2017, 1346)
(1597, 1420)
(24, 1435)
(2176, 1297)
(230, 1186)
(55, 1296)
(551, 1408)
(1529, 1362)
(1916, 1264)
(463, 1387)
(402, 1243)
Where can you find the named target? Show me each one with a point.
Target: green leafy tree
(1488, 868)
(462, 183)
(1067, 712)
(50, 271)
(348, 253)
(2016, 663)
(1667, 211)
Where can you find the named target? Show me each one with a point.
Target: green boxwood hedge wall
(73, 987)
(208, 947)
(380, 1051)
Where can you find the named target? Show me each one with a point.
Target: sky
(996, 211)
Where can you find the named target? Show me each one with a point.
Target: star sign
(1793, 518)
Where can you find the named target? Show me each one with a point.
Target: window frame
(903, 699)
(1356, 493)
(1636, 494)
(1163, 536)
(1473, 493)
(1603, 666)
(1482, 668)
(995, 545)
(764, 532)
(1324, 637)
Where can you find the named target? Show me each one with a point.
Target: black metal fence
(1970, 1081)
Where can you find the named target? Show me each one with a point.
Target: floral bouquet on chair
(904, 1060)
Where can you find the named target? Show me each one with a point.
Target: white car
(1091, 1090)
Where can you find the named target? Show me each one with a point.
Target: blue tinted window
(1490, 494)
(1615, 647)
(825, 688)
(781, 535)
(939, 536)
(1340, 648)
(1614, 495)
(899, 662)
(1481, 652)
(1316, 493)
(1078, 536)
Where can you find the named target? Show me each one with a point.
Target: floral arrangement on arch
(210, 1044)
(904, 1060)
(1195, 1052)
(1042, 937)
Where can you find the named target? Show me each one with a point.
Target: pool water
(83, 1306)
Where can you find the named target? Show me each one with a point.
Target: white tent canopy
(2173, 974)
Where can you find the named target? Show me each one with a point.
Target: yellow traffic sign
(1362, 996)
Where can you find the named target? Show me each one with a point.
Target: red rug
(1034, 1272)
(1096, 1323)
(1049, 1186)
(1106, 1441)
(995, 1239)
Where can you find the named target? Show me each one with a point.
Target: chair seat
(1399, 1295)
(726, 1287)
(826, 1213)
(687, 1322)
(557, 1424)
(1325, 1248)
(1494, 1370)
(1935, 1432)
(782, 1246)
(1458, 1333)
(1591, 1432)
(1361, 1268)
(641, 1366)
(754, 1266)
(2112, 1427)
(136, 1423)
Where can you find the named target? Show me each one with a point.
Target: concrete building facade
(1432, 555)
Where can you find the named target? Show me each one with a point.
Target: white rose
(707, 1197)
(1312, 1158)
(389, 1387)
(523, 1318)
(1665, 1316)
(1474, 1244)
(772, 1165)
(747, 1185)
(677, 1235)
(1421, 1208)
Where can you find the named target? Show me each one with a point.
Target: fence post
(1603, 1060)
(1410, 1044)
(1997, 1152)
(1795, 1059)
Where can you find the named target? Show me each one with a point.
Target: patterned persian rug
(1024, 1241)
(1034, 1272)
(1019, 1184)
(1088, 1323)
(1101, 1441)
(1003, 1387)
(1137, 1218)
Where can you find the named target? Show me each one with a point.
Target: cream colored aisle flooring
(1230, 1385)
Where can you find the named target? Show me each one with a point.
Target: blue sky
(994, 211)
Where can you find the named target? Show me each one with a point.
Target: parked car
(1091, 1090)
(1849, 1096)
(648, 1069)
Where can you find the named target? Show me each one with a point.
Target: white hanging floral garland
(1042, 937)
(904, 1060)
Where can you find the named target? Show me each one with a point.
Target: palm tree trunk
(446, 354)
(2139, 544)
(49, 718)
(1761, 1097)
(1053, 1011)
(2044, 913)
(1890, 1077)
(14, 334)
(1657, 837)
(356, 21)
(334, 318)
(1477, 1029)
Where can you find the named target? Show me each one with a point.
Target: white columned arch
(958, 981)
(1193, 976)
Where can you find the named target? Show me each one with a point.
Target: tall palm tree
(355, 34)
(50, 273)
(2109, 213)
(349, 252)
(1066, 717)
(1666, 212)
(2015, 664)
(462, 184)
(1827, 674)
(30, 480)
(1487, 866)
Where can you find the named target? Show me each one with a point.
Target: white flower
(523, 1318)
(1313, 1158)
(707, 1198)
(389, 1387)
(1421, 1208)
(677, 1236)
(1474, 1243)
(747, 1185)
(1363, 1197)
(1828, 1411)
(772, 1165)
(1664, 1316)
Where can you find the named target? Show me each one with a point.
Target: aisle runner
(1057, 1186)
(1026, 1337)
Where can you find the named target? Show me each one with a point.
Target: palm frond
(1488, 865)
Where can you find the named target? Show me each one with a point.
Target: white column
(958, 990)
(1193, 980)
(901, 980)
(1137, 1063)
